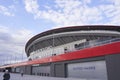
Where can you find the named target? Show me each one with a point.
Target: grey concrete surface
(33, 77)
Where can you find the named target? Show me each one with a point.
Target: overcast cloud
(22, 19)
(77, 12)
(12, 44)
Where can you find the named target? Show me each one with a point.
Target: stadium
(86, 52)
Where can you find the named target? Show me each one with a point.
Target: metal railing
(97, 43)
(88, 44)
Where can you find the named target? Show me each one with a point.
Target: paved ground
(33, 77)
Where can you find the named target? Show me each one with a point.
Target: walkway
(33, 77)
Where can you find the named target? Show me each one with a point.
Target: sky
(22, 19)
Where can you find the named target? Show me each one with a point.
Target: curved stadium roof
(73, 28)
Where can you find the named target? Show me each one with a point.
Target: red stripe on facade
(107, 49)
(103, 50)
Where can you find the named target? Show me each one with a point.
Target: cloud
(76, 12)
(12, 43)
(6, 10)
(31, 6)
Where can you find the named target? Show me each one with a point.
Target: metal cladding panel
(41, 70)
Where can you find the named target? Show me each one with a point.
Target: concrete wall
(59, 69)
(41, 70)
(26, 69)
(113, 66)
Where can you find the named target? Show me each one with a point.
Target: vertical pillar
(113, 66)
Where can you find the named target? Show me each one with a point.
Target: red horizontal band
(113, 48)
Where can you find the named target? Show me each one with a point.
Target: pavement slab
(16, 76)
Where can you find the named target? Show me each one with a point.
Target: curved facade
(68, 39)
(75, 52)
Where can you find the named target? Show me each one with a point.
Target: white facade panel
(95, 70)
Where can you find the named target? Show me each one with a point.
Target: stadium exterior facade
(86, 52)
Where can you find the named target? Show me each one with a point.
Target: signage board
(95, 70)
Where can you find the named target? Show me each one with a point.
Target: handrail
(97, 43)
(88, 44)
